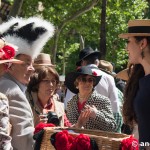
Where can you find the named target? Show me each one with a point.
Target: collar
(92, 65)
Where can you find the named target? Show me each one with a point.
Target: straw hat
(85, 53)
(43, 60)
(123, 74)
(106, 65)
(137, 28)
(71, 77)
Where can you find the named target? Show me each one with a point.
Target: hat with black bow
(29, 35)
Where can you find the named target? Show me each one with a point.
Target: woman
(87, 108)
(41, 92)
(7, 53)
(136, 108)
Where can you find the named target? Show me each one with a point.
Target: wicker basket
(104, 140)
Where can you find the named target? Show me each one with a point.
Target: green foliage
(119, 12)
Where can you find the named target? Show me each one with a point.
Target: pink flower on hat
(94, 73)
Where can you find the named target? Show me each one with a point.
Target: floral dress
(5, 139)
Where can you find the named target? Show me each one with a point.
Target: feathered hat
(29, 35)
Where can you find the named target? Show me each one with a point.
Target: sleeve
(5, 139)
(72, 113)
(113, 95)
(104, 118)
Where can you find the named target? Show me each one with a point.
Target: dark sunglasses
(84, 79)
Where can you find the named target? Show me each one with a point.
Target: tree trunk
(16, 8)
(103, 30)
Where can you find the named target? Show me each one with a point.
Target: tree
(118, 12)
(68, 19)
(16, 8)
(103, 29)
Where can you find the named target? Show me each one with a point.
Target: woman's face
(85, 83)
(134, 50)
(47, 86)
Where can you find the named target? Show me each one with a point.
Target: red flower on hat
(129, 144)
(7, 52)
(94, 73)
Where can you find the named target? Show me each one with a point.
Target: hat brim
(50, 65)
(127, 35)
(15, 61)
(78, 63)
(123, 75)
(71, 77)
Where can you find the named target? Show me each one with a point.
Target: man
(106, 86)
(29, 35)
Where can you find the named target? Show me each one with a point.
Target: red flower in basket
(94, 73)
(41, 125)
(83, 142)
(129, 144)
(63, 141)
(8, 52)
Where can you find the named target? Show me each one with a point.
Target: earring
(142, 54)
(77, 87)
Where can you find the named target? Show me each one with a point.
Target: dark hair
(91, 59)
(131, 89)
(40, 73)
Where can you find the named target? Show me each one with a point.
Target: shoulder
(73, 100)
(100, 97)
(6, 84)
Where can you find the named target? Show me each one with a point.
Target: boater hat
(87, 52)
(137, 28)
(71, 77)
(43, 60)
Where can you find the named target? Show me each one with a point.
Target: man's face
(22, 72)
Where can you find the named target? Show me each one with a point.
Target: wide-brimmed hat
(71, 77)
(87, 52)
(43, 60)
(137, 28)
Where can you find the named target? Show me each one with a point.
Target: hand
(83, 118)
(93, 110)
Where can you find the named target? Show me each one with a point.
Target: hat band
(139, 29)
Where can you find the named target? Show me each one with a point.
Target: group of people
(29, 87)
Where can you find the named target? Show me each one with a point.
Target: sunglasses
(84, 80)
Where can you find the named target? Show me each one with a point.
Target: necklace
(83, 98)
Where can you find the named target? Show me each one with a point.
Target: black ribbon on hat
(139, 29)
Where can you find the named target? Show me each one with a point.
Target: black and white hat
(29, 35)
